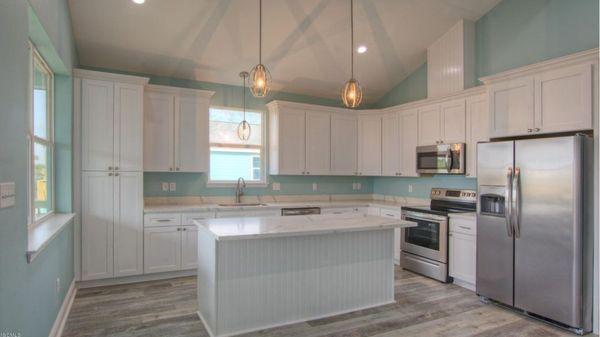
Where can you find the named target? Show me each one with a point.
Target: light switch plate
(172, 187)
(409, 188)
(358, 186)
(276, 186)
(354, 186)
(165, 187)
(7, 195)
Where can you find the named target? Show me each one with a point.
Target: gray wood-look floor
(424, 308)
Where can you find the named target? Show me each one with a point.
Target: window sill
(43, 233)
(225, 184)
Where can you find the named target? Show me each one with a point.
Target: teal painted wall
(517, 33)
(421, 186)
(413, 88)
(28, 302)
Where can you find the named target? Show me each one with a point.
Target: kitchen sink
(242, 204)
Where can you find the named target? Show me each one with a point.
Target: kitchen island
(261, 272)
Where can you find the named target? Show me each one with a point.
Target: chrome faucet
(239, 190)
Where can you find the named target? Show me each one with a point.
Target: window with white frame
(41, 139)
(230, 157)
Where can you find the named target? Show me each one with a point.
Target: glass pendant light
(260, 77)
(243, 129)
(352, 93)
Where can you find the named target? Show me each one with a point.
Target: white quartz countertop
(183, 208)
(264, 227)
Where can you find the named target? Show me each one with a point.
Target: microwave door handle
(508, 202)
(517, 202)
(448, 160)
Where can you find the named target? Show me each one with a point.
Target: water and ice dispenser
(492, 200)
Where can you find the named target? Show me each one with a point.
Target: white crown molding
(179, 91)
(478, 90)
(305, 106)
(99, 75)
(586, 56)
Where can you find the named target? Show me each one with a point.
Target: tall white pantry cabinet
(110, 110)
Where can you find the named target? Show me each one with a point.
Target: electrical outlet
(358, 186)
(315, 187)
(165, 187)
(172, 187)
(7, 195)
(276, 186)
(354, 186)
(57, 285)
(409, 188)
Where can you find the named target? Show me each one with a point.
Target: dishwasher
(300, 211)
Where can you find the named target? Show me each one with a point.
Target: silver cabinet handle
(537, 129)
(508, 202)
(530, 130)
(179, 229)
(110, 168)
(177, 169)
(110, 174)
(517, 202)
(116, 167)
(163, 220)
(465, 227)
(184, 229)
(116, 174)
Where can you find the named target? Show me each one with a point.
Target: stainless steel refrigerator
(535, 227)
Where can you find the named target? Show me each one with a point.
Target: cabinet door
(97, 122)
(344, 144)
(511, 107)
(189, 247)
(191, 134)
(563, 99)
(97, 211)
(318, 143)
(129, 126)
(462, 257)
(369, 145)
(409, 138)
(129, 223)
(159, 117)
(292, 143)
(477, 130)
(390, 145)
(453, 121)
(429, 125)
(162, 249)
(394, 214)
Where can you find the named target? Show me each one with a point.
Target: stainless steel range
(425, 247)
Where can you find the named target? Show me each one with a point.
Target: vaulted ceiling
(306, 43)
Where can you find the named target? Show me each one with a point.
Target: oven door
(441, 159)
(429, 238)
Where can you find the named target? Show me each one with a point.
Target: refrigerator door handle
(517, 202)
(508, 202)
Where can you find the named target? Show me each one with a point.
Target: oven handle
(407, 217)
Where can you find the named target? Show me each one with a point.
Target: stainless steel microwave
(441, 159)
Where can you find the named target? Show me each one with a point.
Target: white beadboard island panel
(251, 284)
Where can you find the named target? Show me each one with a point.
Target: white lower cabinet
(394, 214)
(171, 241)
(462, 251)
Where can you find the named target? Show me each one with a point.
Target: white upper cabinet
(511, 107)
(429, 125)
(97, 122)
(442, 123)
(318, 138)
(390, 144)
(344, 144)
(176, 129)
(159, 129)
(369, 145)
(111, 121)
(477, 130)
(409, 126)
(549, 97)
(299, 139)
(563, 99)
(192, 134)
(453, 126)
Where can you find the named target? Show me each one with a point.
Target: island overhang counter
(262, 272)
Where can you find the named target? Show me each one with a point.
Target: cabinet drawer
(162, 220)
(188, 219)
(390, 213)
(465, 226)
(344, 210)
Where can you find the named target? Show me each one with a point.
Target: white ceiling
(305, 42)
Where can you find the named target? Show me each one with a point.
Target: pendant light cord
(244, 97)
(351, 38)
(260, 31)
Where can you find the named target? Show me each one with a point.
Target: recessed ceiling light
(139, 2)
(361, 49)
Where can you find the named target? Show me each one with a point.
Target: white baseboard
(63, 313)
(136, 278)
(464, 284)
